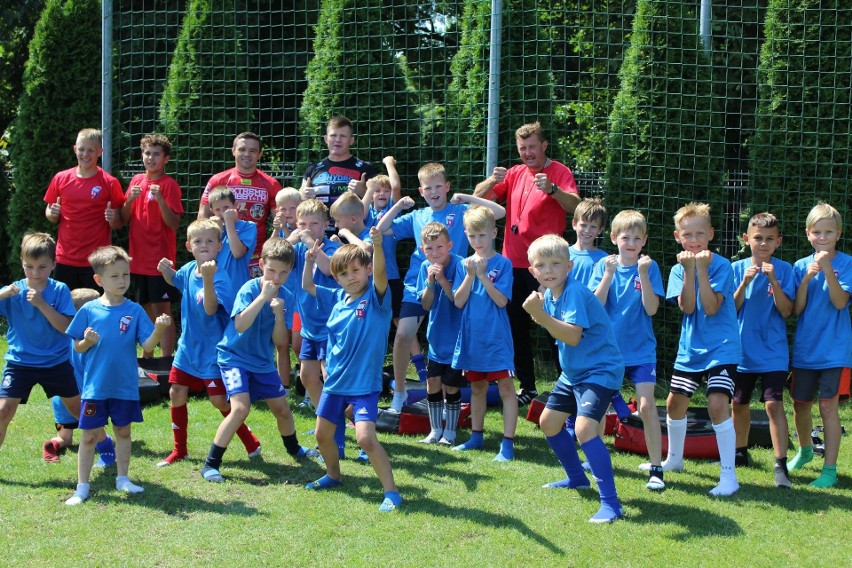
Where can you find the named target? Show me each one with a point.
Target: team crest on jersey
(199, 297)
(96, 191)
(361, 310)
(637, 283)
(769, 290)
(493, 274)
(257, 210)
(124, 323)
(451, 219)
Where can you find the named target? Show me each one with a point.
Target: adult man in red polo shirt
(538, 194)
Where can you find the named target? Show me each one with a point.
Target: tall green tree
(802, 150)
(61, 96)
(17, 24)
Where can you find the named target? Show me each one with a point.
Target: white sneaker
(433, 437)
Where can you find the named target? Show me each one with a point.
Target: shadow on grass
(694, 524)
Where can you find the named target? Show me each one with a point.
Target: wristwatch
(553, 189)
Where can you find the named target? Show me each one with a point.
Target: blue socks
(420, 365)
(392, 500)
(340, 435)
(563, 446)
(106, 452)
(620, 407)
(324, 482)
(507, 450)
(474, 443)
(599, 459)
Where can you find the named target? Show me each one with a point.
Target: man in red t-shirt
(83, 201)
(539, 193)
(253, 190)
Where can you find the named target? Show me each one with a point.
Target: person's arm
(9, 291)
(58, 321)
(686, 300)
(126, 209)
(211, 301)
(170, 218)
(238, 249)
(462, 293)
(367, 199)
(435, 277)
(565, 332)
(650, 300)
(113, 216)
(165, 268)
(160, 324)
(308, 284)
(485, 188)
(353, 240)
(498, 210)
(496, 295)
(280, 334)
(387, 220)
(90, 338)
(380, 275)
(204, 211)
(839, 297)
(245, 319)
(739, 293)
(602, 291)
(802, 291)
(52, 211)
(710, 300)
(395, 180)
(782, 302)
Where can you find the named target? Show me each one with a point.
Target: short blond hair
(82, 296)
(479, 218)
(312, 207)
(693, 209)
(548, 246)
(531, 129)
(432, 231)
(628, 220)
(591, 209)
(202, 226)
(346, 255)
(91, 135)
(106, 256)
(287, 194)
(346, 205)
(823, 210)
(430, 170)
(379, 180)
(37, 245)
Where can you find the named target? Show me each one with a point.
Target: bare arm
(567, 333)
(211, 302)
(498, 210)
(395, 180)
(485, 188)
(308, 284)
(170, 218)
(280, 335)
(387, 220)
(160, 324)
(244, 319)
(602, 291)
(650, 300)
(462, 293)
(380, 275)
(58, 321)
(204, 211)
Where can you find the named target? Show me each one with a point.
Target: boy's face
(434, 190)
(219, 207)
(314, 224)
(629, 243)
(381, 196)
(338, 139)
(551, 271)
(275, 271)
(246, 152)
(823, 235)
(87, 152)
(115, 278)
(438, 250)
(763, 241)
(532, 152)
(204, 246)
(694, 233)
(481, 240)
(37, 270)
(154, 159)
(288, 208)
(587, 231)
(354, 278)
(346, 222)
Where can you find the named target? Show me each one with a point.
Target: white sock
(726, 440)
(398, 401)
(80, 494)
(123, 483)
(677, 439)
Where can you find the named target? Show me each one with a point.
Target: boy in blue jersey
(433, 188)
(357, 342)
(37, 310)
(259, 322)
(763, 297)
(435, 289)
(348, 215)
(238, 237)
(823, 285)
(592, 371)
(66, 422)
(383, 191)
(287, 200)
(205, 308)
(589, 222)
(629, 285)
(482, 287)
(702, 284)
(107, 330)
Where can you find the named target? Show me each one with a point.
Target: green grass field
(459, 508)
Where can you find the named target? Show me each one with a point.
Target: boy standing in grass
(484, 350)
(238, 236)
(258, 323)
(589, 222)
(37, 310)
(107, 330)
(823, 285)
(702, 283)
(435, 287)
(629, 285)
(764, 293)
(206, 302)
(433, 188)
(357, 342)
(592, 371)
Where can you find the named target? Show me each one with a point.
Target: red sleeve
(116, 194)
(565, 179)
(173, 196)
(52, 190)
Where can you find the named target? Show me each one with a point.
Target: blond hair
(432, 231)
(37, 245)
(312, 207)
(287, 194)
(91, 135)
(548, 246)
(346, 255)
(591, 210)
(82, 296)
(202, 226)
(531, 129)
(377, 181)
(479, 218)
(346, 205)
(430, 170)
(693, 209)
(628, 220)
(106, 256)
(823, 210)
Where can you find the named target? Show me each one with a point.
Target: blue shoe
(324, 482)
(211, 474)
(569, 483)
(606, 514)
(306, 453)
(469, 445)
(362, 457)
(391, 502)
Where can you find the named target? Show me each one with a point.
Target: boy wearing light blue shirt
(588, 223)
(238, 237)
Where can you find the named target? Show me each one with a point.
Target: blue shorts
(61, 414)
(365, 407)
(411, 310)
(644, 373)
(259, 386)
(586, 399)
(95, 412)
(19, 380)
(312, 350)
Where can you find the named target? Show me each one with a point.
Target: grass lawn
(459, 508)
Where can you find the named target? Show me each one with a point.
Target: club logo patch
(361, 310)
(257, 211)
(96, 191)
(90, 409)
(451, 219)
(199, 297)
(493, 274)
(124, 323)
(7, 381)
(637, 283)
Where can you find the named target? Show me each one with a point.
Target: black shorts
(449, 376)
(76, 276)
(719, 379)
(771, 385)
(396, 288)
(152, 289)
(19, 380)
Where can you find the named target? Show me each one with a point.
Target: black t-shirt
(332, 178)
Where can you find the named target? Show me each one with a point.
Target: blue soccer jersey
(238, 268)
(633, 327)
(484, 340)
(33, 342)
(707, 341)
(444, 317)
(410, 225)
(584, 262)
(253, 349)
(596, 358)
(763, 331)
(357, 342)
(313, 316)
(109, 366)
(196, 350)
(388, 241)
(823, 338)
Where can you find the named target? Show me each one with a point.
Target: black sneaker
(526, 396)
(741, 458)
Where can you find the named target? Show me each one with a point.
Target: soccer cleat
(526, 396)
(307, 453)
(655, 484)
(306, 403)
(255, 454)
(362, 457)
(666, 465)
(324, 482)
(211, 474)
(433, 438)
(171, 458)
(50, 451)
(391, 502)
(782, 478)
(444, 441)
